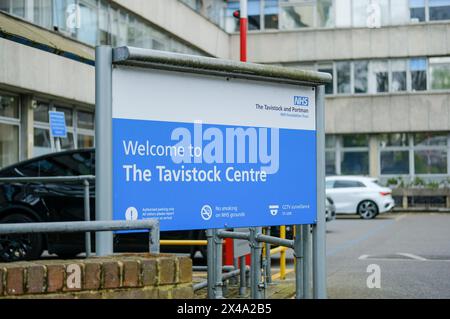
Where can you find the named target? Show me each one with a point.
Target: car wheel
(20, 247)
(367, 209)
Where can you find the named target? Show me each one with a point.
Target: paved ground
(412, 250)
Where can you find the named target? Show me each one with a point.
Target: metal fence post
(154, 239)
(218, 266)
(268, 260)
(234, 280)
(307, 261)
(243, 277)
(103, 146)
(319, 230)
(211, 262)
(283, 254)
(87, 217)
(298, 253)
(256, 248)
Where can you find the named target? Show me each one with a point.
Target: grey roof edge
(205, 65)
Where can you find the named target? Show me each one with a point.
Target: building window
(63, 9)
(439, 9)
(360, 76)
(357, 140)
(430, 153)
(104, 33)
(430, 162)
(343, 77)
(398, 68)
(330, 155)
(80, 128)
(96, 22)
(85, 129)
(9, 106)
(430, 139)
(417, 10)
(440, 73)
(299, 16)
(355, 154)
(343, 17)
(254, 14)
(9, 129)
(327, 68)
(359, 12)
(418, 68)
(394, 154)
(394, 162)
(42, 140)
(382, 76)
(325, 16)
(355, 163)
(399, 12)
(43, 14)
(271, 14)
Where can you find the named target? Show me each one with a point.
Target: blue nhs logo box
(301, 101)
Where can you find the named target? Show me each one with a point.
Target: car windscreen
(72, 164)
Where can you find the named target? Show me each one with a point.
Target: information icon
(131, 214)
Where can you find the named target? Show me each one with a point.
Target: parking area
(411, 250)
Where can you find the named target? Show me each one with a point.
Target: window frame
(73, 129)
(16, 122)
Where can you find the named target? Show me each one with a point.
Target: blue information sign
(200, 152)
(58, 126)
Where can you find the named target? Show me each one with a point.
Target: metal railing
(87, 209)
(255, 239)
(152, 225)
(62, 179)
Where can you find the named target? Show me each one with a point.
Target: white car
(361, 195)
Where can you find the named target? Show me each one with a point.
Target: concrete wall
(31, 70)
(413, 112)
(182, 21)
(432, 39)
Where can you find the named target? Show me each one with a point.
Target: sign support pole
(58, 144)
(255, 268)
(218, 292)
(307, 261)
(211, 259)
(243, 277)
(298, 254)
(103, 146)
(319, 230)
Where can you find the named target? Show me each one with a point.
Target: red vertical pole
(228, 254)
(243, 29)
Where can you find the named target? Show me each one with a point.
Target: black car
(22, 202)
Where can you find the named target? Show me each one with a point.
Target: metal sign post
(319, 229)
(103, 147)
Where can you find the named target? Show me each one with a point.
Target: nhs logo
(301, 101)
